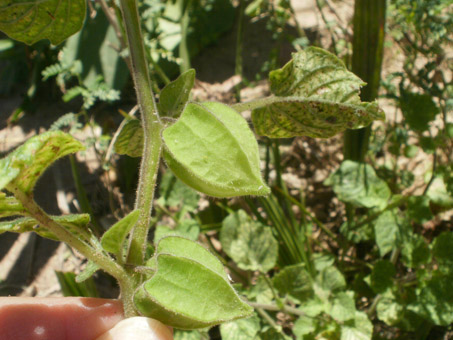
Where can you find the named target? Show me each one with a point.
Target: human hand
(73, 318)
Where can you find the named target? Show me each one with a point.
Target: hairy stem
(152, 132)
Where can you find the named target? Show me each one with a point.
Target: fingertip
(138, 328)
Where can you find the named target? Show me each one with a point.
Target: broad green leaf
(174, 193)
(23, 166)
(294, 281)
(88, 272)
(355, 233)
(316, 96)
(249, 243)
(190, 335)
(443, 249)
(331, 280)
(360, 328)
(439, 194)
(391, 230)
(243, 329)
(179, 246)
(343, 306)
(10, 206)
(382, 276)
(418, 209)
(212, 149)
(315, 307)
(273, 334)
(418, 110)
(415, 252)
(31, 21)
(175, 95)
(435, 300)
(261, 292)
(358, 184)
(130, 140)
(113, 239)
(185, 294)
(303, 326)
(389, 310)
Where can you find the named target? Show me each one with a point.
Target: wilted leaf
(316, 96)
(212, 149)
(23, 166)
(113, 239)
(10, 206)
(31, 21)
(244, 329)
(175, 95)
(294, 281)
(249, 243)
(357, 183)
(130, 140)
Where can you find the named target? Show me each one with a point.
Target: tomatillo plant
(209, 146)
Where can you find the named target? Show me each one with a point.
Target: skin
(68, 318)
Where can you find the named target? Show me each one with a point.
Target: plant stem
(152, 132)
(274, 308)
(254, 104)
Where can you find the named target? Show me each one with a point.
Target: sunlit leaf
(175, 95)
(316, 96)
(23, 166)
(244, 329)
(113, 239)
(130, 140)
(188, 228)
(249, 243)
(360, 328)
(212, 149)
(33, 20)
(343, 306)
(294, 281)
(358, 184)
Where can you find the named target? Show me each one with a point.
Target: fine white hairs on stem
(138, 328)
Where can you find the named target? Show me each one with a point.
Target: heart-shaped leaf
(249, 243)
(130, 140)
(189, 289)
(175, 95)
(9, 206)
(33, 20)
(212, 149)
(316, 96)
(25, 165)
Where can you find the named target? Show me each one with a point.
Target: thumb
(138, 328)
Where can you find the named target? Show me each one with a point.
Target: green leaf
(70, 286)
(303, 326)
(382, 276)
(175, 95)
(212, 149)
(185, 294)
(316, 96)
(10, 206)
(331, 280)
(244, 329)
(435, 300)
(294, 281)
(418, 209)
(174, 193)
(387, 229)
(418, 110)
(188, 228)
(315, 307)
(360, 328)
(415, 252)
(343, 306)
(443, 249)
(191, 335)
(130, 140)
(31, 21)
(357, 183)
(88, 272)
(113, 239)
(273, 334)
(249, 243)
(25, 224)
(25, 165)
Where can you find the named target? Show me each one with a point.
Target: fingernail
(138, 328)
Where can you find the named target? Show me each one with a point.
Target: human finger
(138, 328)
